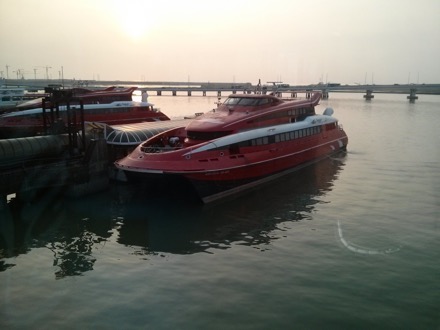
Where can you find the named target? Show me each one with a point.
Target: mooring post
(43, 106)
(3, 202)
(369, 95)
(70, 131)
(324, 94)
(412, 95)
(83, 128)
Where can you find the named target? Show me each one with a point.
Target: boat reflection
(75, 230)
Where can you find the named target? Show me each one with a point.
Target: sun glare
(136, 17)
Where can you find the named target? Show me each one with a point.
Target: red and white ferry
(109, 106)
(248, 140)
(87, 96)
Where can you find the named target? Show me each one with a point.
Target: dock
(30, 165)
(75, 163)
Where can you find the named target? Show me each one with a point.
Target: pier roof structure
(134, 134)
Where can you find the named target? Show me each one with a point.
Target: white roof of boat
(310, 121)
(134, 134)
(115, 104)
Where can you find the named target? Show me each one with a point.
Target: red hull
(213, 185)
(21, 126)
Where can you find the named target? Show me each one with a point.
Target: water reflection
(73, 230)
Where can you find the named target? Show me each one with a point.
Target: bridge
(221, 88)
(411, 89)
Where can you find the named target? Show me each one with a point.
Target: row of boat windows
(300, 111)
(109, 110)
(115, 110)
(13, 98)
(277, 138)
(284, 136)
(94, 111)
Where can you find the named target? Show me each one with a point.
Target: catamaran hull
(211, 185)
(210, 191)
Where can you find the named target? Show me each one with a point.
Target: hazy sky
(297, 42)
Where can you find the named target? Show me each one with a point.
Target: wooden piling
(412, 95)
(369, 95)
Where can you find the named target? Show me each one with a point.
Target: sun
(135, 17)
(135, 27)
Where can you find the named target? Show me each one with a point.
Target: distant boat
(247, 140)
(10, 97)
(31, 122)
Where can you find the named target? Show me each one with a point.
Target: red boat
(87, 96)
(110, 106)
(248, 140)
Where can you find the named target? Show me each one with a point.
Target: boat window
(260, 141)
(263, 101)
(246, 101)
(246, 143)
(232, 101)
(234, 149)
(330, 126)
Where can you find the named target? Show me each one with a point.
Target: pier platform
(30, 165)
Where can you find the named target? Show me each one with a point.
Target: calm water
(349, 243)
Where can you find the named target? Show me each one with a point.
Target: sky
(291, 41)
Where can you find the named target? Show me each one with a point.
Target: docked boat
(32, 121)
(248, 140)
(11, 97)
(84, 95)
